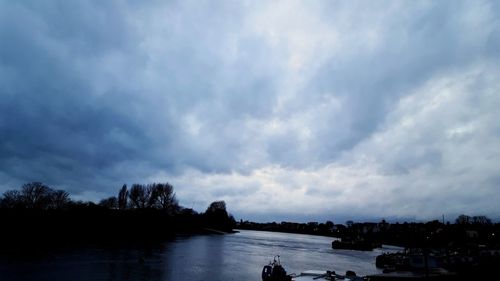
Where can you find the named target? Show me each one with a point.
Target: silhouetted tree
(329, 224)
(482, 220)
(217, 216)
(216, 207)
(90, 222)
(59, 199)
(36, 195)
(137, 196)
(151, 196)
(123, 197)
(349, 223)
(109, 203)
(11, 199)
(165, 197)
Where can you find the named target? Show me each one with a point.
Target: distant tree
(36, 195)
(137, 196)
(151, 195)
(329, 224)
(216, 207)
(109, 203)
(155, 195)
(59, 199)
(349, 223)
(231, 221)
(165, 197)
(187, 211)
(312, 224)
(216, 216)
(11, 199)
(123, 197)
(482, 220)
(83, 205)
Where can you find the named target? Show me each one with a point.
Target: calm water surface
(237, 256)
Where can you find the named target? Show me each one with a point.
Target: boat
(410, 259)
(274, 271)
(436, 274)
(357, 245)
(311, 275)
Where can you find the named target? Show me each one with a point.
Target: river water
(238, 256)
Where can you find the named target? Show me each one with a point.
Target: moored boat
(410, 259)
(434, 274)
(311, 275)
(357, 245)
(274, 271)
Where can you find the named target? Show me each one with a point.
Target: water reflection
(196, 258)
(89, 263)
(212, 257)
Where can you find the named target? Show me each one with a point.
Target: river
(238, 256)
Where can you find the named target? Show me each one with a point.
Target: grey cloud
(415, 46)
(54, 126)
(94, 94)
(84, 87)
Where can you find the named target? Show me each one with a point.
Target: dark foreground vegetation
(39, 216)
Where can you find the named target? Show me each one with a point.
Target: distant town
(464, 229)
(469, 247)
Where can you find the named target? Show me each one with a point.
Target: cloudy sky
(287, 110)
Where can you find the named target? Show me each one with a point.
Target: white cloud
(412, 167)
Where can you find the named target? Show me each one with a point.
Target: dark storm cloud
(84, 90)
(56, 127)
(291, 102)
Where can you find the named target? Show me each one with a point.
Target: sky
(286, 110)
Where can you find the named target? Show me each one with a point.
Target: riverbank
(29, 228)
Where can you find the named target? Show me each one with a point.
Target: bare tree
(59, 199)
(11, 199)
(151, 196)
(110, 203)
(123, 197)
(137, 196)
(483, 220)
(36, 195)
(165, 197)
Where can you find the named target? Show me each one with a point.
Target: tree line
(144, 196)
(465, 231)
(36, 195)
(141, 212)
